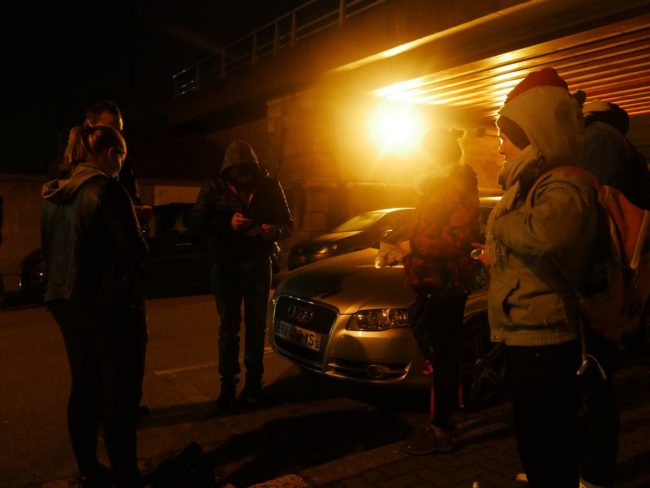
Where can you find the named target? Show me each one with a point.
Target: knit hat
(549, 118)
(607, 112)
(543, 77)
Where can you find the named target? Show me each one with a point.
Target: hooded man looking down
(242, 212)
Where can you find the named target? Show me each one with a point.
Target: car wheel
(482, 366)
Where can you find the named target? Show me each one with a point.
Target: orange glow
(397, 129)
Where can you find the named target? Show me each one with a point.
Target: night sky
(69, 54)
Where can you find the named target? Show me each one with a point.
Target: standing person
(441, 273)
(243, 212)
(610, 156)
(615, 162)
(94, 253)
(108, 114)
(540, 247)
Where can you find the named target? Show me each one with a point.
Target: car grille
(320, 320)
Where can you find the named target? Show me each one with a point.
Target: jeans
(246, 280)
(437, 325)
(106, 352)
(544, 389)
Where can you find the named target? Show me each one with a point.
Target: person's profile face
(116, 157)
(506, 148)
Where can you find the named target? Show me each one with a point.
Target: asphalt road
(306, 422)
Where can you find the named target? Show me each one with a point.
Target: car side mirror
(383, 235)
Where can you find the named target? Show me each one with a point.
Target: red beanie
(543, 77)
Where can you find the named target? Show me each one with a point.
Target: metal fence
(283, 33)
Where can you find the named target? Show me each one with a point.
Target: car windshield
(360, 222)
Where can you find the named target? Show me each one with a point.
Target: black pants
(248, 281)
(545, 393)
(599, 417)
(437, 325)
(106, 351)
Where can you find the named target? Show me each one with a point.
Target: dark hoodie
(218, 201)
(91, 239)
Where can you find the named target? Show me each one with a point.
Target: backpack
(626, 264)
(190, 468)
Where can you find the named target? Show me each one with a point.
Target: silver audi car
(344, 318)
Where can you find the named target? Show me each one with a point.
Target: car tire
(482, 366)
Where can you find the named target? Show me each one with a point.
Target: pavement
(485, 456)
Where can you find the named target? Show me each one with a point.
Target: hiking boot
(250, 397)
(226, 403)
(428, 440)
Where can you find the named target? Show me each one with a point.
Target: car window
(169, 221)
(360, 222)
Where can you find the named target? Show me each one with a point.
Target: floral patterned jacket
(443, 229)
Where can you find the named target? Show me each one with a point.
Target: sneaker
(428, 440)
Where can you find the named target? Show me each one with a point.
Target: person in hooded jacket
(94, 254)
(540, 245)
(242, 212)
(610, 156)
(439, 269)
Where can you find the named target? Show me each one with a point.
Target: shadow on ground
(295, 443)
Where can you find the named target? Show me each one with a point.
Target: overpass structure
(301, 88)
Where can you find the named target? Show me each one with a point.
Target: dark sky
(66, 55)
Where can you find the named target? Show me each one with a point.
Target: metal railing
(269, 40)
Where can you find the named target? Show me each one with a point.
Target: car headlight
(328, 249)
(379, 319)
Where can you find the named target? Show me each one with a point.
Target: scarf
(516, 177)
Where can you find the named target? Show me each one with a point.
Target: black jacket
(217, 202)
(92, 244)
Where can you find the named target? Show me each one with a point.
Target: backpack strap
(586, 358)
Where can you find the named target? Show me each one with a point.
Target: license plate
(298, 335)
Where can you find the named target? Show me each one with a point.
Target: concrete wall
(329, 169)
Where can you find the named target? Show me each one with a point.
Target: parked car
(346, 319)
(175, 265)
(357, 233)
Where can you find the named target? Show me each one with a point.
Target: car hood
(324, 239)
(349, 282)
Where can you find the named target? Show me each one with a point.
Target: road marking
(191, 393)
(164, 372)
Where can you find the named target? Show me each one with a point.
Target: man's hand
(269, 232)
(239, 222)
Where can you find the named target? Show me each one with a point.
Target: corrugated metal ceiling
(609, 63)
